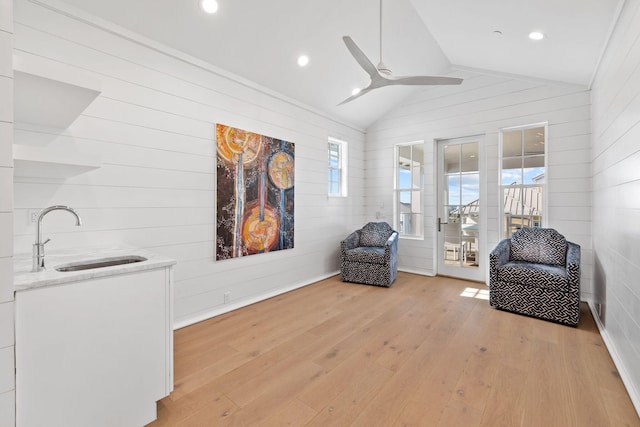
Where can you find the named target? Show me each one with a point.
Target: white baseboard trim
(205, 315)
(420, 272)
(624, 375)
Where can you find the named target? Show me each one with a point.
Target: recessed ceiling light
(303, 60)
(209, 6)
(497, 32)
(536, 35)
(356, 91)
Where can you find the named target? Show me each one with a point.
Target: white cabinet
(97, 352)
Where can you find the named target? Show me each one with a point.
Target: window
(337, 171)
(408, 185)
(522, 177)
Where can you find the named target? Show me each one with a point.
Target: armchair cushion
(542, 275)
(375, 234)
(368, 254)
(538, 245)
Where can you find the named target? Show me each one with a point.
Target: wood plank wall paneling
(7, 366)
(484, 104)
(153, 128)
(616, 201)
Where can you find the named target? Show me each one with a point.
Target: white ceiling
(261, 40)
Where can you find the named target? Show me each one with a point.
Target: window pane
(534, 140)
(404, 153)
(408, 172)
(336, 168)
(410, 213)
(522, 198)
(511, 175)
(512, 143)
(404, 178)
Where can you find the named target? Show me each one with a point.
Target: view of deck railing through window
(522, 177)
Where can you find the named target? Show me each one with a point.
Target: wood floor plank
(343, 408)
(295, 413)
(428, 351)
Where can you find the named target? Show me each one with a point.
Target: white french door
(460, 216)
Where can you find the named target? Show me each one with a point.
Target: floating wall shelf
(50, 95)
(39, 162)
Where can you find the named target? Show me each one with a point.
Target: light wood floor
(416, 354)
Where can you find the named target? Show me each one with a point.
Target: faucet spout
(38, 246)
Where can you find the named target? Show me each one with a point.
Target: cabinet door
(93, 353)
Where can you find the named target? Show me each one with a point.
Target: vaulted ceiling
(260, 41)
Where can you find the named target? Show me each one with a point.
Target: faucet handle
(45, 242)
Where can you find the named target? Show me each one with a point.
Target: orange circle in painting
(232, 141)
(281, 170)
(260, 235)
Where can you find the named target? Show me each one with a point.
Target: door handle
(440, 223)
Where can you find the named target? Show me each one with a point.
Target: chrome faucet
(38, 246)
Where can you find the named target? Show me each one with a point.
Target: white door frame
(469, 273)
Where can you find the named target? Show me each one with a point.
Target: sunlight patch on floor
(476, 293)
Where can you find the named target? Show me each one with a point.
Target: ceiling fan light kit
(381, 75)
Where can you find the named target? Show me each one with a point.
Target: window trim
(544, 185)
(342, 167)
(397, 190)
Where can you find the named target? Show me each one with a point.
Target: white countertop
(25, 279)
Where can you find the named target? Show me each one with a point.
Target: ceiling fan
(381, 75)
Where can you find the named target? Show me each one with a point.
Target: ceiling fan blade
(361, 57)
(424, 80)
(357, 95)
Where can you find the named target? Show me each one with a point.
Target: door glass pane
(451, 158)
(470, 188)
(469, 157)
(452, 192)
(461, 196)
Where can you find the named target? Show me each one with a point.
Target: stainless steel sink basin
(100, 263)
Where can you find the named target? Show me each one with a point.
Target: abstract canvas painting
(255, 193)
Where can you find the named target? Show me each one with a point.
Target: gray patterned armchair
(370, 255)
(536, 272)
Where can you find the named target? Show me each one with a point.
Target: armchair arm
(573, 266)
(391, 246)
(499, 256)
(352, 241)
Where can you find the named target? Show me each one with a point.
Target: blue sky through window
(463, 189)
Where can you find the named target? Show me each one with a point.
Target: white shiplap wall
(616, 196)
(153, 129)
(7, 370)
(483, 105)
